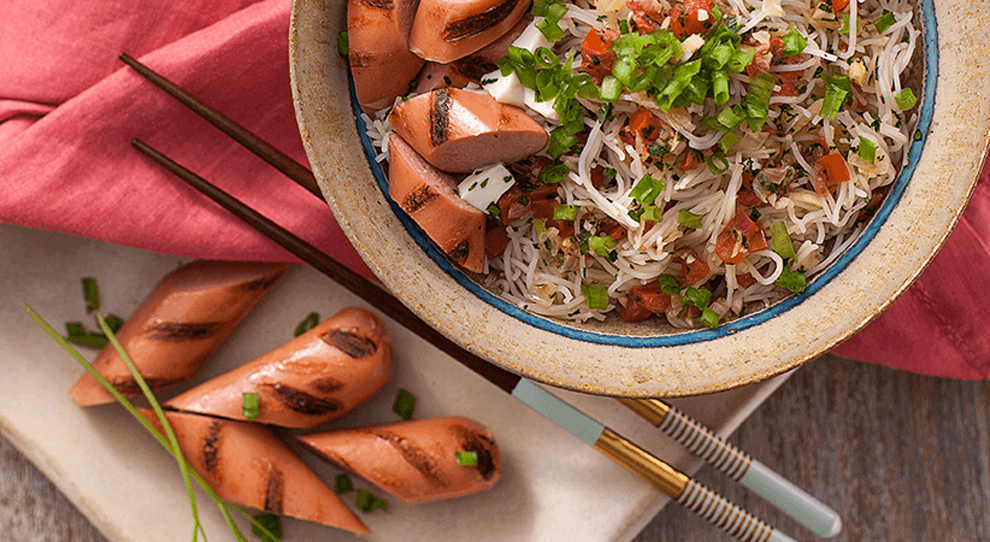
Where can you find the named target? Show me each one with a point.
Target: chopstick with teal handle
(689, 493)
(792, 500)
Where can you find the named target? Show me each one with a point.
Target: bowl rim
(569, 372)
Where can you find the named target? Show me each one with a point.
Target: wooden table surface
(901, 457)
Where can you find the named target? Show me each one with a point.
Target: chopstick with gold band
(709, 505)
(792, 500)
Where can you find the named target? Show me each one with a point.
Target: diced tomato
(614, 230)
(512, 205)
(646, 18)
(875, 200)
(644, 123)
(839, 5)
(543, 191)
(745, 280)
(644, 301)
(564, 227)
(740, 237)
(596, 58)
(597, 176)
(685, 18)
(833, 167)
(695, 269)
(787, 81)
(543, 208)
(746, 197)
(529, 170)
(689, 160)
(495, 241)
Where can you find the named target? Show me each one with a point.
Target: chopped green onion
(342, 46)
(697, 297)
(756, 104)
(114, 322)
(596, 296)
(782, 243)
(75, 329)
(682, 77)
(647, 190)
(720, 87)
(741, 58)
(540, 225)
(92, 340)
(560, 141)
(727, 141)
(709, 318)
(794, 42)
(307, 324)
(550, 29)
(717, 164)
(494, 210)
(651, 212)
(688, 219)
(466, 459)
(342, 484)
(905, 99)
(249, 405)
(602, 245)
(884, 22)
(611, 89)
(564, 212)
(669, 284)
(844, 29)
(366, 502)
(91, 294)
(271, 523)
(404, 404)
(917, 135)
(729, 118)
(838, 89)
(794, 281)
(867, 150)
(623, 26)
(555, 174)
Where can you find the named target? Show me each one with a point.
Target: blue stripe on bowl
(930, 35)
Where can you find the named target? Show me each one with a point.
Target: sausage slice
(378, 38)
(470, 69)
(179, 325)
(429, 197)
(318, 376)
(247, 464)
(446, 30)
(415, 460)
(459, 130)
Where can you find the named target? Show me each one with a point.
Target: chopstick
(689, 493)
(702, 442)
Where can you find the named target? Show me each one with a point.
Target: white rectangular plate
(553, 487)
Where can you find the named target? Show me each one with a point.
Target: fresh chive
(564, 212)
(867, 150)
(717, 164)
(114, 322)
(405, 402)
(92, 340)
(342, 484)
(91, 294)
(307, 324)
(74, 329)
(647, 190)
(273, 525)
(905, 99)
(366, 502)
(794, 281)
(688, 219)
(596, 296)
(782, 243)
(466, 459)
(709, 318)
(669, 284)
(343, 48)
(249, 405)
(884, 22)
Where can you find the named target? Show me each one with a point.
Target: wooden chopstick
(702, 442)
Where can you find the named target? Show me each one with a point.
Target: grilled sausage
(434, 76)
(460, 130)
(318, 376)
(247, 464)
(415, 460)
(446, 30)
(428, 196)
(179, 325)
(470, 69)
(378, 52)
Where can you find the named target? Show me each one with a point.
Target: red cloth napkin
(69, 108)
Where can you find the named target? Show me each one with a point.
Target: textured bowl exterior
(597, 358)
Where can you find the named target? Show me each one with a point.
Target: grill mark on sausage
(182, 331)
(439, 111)
(349, 343)
(211, 447)
(378, 5)
(414, 455)
(418, 198)
(475, 24)
(473, 441)
(460, 253)
(474, 68)
(128, 386)
(302, 402)
(360, 60)
(274, 490)
(326, 385)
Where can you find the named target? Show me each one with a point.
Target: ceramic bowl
(615, 358)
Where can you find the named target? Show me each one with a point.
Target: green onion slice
(602, 245)
(838, 89)
(564, 212)
(647, 190)
(307, 324)
(756, 104)
(867, 150)
(466, 459)
(366, 502)
(342, 484)
(727, 141)
(782, 243)
(404, 404)
(669, 284)
(651, 212)
(884, 22)
(342, 46)
(709, 318)
(717, 164)
(794, 42)
(555, 174)
(688, 219)
(794, 281)
(271, 523)
(91, 294)
(249, 405)
(697, 297)
(905, 99)
(596, 296)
